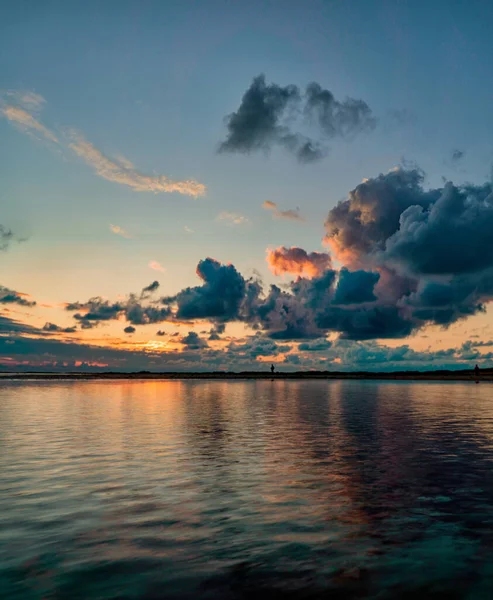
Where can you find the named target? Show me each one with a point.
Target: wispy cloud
(26, 122)
(28, 99)
(119, 172)
(20, 109)
(293, 215)
(188, 229)
(116, 229)
(232, 218)
(156, 266)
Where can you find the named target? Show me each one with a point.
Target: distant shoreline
(463, 375)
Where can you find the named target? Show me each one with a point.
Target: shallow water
(282, 489)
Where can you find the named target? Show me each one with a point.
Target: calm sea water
(282, 489)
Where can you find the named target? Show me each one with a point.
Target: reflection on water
(282, 489)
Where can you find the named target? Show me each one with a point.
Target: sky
(221, 186)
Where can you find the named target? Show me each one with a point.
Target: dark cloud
(355, 287)
(8, 325)
(449, 237)
(219, 298)
(97, 310)
(216, 331)
(412, 256)
(337, 119)
(161, 333)
(267, 113)
(130, 329)
(318, 345)
(193, 341)
(255, 346)
(56, 328)
(256, 125)
(6, 237)
(151, 288)
(457, 155)
(51, 354)
(8, 296)
(361, 224)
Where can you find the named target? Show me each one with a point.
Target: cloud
(296, 261)
(150, 289)
(232, 218)
(8, 296)
(6, 237)
(51, 354)
(256, 124)
(355, 287)
(193, 341)
(361, 224)
(267, 113)
(10, 326)
(51, 327)
(188, 229)
(27, 99)
(97, 310)
(337, 119)
(216, 331)
(457, 155)
(117, 230)
(256, 346)
(153, 264)
(220, 297)
(19, 108)
(412, 257)
(160, 333)
(26, 122)
(130, 329)
(293, 215)
(319, 345)
(119, 172)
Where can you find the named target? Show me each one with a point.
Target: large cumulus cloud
(221, 296)
(412, 256)
(432, 247)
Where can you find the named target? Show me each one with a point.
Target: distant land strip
(439, 375)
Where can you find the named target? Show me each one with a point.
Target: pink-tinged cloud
(290, 214)
(25, 121)
(296, 261)
(156, 266)
(117, 230)
(120, 171)
(232, 218)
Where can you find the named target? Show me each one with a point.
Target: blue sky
(153, 82)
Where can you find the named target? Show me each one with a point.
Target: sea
(148, 490)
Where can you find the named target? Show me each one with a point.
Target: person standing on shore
(476, 372)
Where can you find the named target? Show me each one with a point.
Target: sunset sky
(222, 185)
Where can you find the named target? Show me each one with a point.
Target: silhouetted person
(476, 371)
(272, 369)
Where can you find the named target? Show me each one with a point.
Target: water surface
(191, 489)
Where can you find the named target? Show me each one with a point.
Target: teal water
(147, 490)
